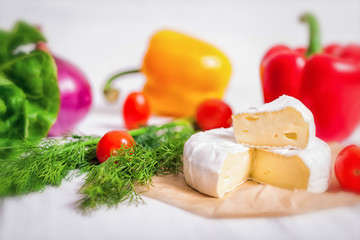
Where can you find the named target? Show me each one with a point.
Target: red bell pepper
(326, 80)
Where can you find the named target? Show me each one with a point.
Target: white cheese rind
(279, 104)
(317, 157)
(204, 156)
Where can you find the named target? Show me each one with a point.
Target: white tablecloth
(103, 37)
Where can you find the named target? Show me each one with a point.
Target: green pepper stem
(110, 93)
(314, 34)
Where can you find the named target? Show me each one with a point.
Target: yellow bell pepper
(181, 72)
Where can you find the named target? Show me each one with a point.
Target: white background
(104, 37)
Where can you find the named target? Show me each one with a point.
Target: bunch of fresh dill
(158, 150)
(32, 166)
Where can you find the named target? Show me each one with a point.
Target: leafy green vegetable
(158, 150)
(29, 94)
(13, 111)
(34, 166)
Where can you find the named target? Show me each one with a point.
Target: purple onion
(75, 98)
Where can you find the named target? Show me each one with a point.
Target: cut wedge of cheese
(214, 163)
(292, 169)
(285, 123)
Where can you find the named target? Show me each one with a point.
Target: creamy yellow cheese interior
(235, 170)
(278, 170)
(276, 129)
(263, 166)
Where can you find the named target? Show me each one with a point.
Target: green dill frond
(157, 152)
(33, 166)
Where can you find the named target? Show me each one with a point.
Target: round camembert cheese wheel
(214, 163)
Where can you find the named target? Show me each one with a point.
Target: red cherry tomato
(347, 168)
(136, 110)
(111, 142)
(213, 113)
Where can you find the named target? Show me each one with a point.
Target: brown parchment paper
(250, 199)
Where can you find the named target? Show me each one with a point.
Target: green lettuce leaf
(29, 93)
